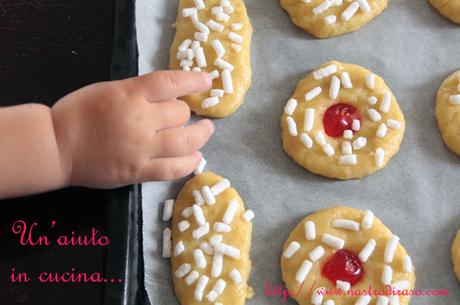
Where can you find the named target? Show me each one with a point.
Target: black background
(49, 48)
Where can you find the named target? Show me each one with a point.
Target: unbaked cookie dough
(449, 8)
(214, 36)
(448, 111)
(211, 239)
(342, 122)
(328, 18)
(456, 255)
(345, 249)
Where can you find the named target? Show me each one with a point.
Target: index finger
(166, 85)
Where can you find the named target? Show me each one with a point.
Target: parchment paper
(417, 196)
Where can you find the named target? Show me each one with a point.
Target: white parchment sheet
(417, 196)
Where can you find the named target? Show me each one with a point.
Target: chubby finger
(170, 114)
(162, 169)
(167, 85)
(179, 141)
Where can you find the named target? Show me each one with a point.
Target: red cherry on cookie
(339, 118)
(345, 266)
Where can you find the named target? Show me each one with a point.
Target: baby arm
(104, 135)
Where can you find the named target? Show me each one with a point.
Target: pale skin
(105, 135)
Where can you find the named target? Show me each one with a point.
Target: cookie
(214, 36)
(211, 239)
(345, 251)
(456, 255)
(328, 18)
(448, 111)
(342, 122)
(448, 8)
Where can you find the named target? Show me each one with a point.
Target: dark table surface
(49, 48)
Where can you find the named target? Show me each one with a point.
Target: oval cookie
(328, 18)
(211, 239)
(448, 111)
(345, 249)
(448, 8)
(342, 122)
(456, 255)
(214, 36)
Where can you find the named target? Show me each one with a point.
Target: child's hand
(123, 132)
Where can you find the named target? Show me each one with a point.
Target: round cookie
(211, 240)
(328, 18)
(214, 36)
(448, 111)
(343, 248)
(456, 255)
(448, 8)
(342, 122)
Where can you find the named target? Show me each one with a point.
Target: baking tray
(414, 49)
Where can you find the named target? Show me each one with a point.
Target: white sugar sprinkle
(290, 107)
(217, 264)
(320, 138)
(365, 7)
(310, 230)
(199, 215)
(372, 100)
(387, 275)
(218, 48)
(168, 209)
(206, 247)
(183, 226)
(236, 38)
(316, 253)
(199, 36)
(330, 20)
(237, 26)
(345, 224)
(179, 249)
(200, 57)
(303, 271)
(374, 115)
(322, 7)
(306, 140)
(348, 134)
(215, 26)
(222, 17)
(216, 239)
(382, 300)
(185, 45)
(198, 257)
(200, 287)
(364, 300)
(367, 251)
(347, 149)
(350, 11)
(212, 296)
(318, 296)
(291, 249)
(390, 249)
(217, 92)
(227, 81)
(356, 125)
(379, 157)
(219, 287)
(221, 227)
(334, 89)
(207, 195)
(220, 186)
(210, 102)
(393, 124)
(196, 69)
(224, 65)
(187, 212)
(166, 251)
(214, 74)
(325, 72)
(199, 4)
(309, 96)
(309, 119)
(203, 28)
(333, 241)
(217, 10)
(230, 211)
(386, 103)
(187, 12)
(292, 126)
(235, 275)
(329, 150)
(370, 81)
(382, 131)
(346, 81)
(183, 270)
(342, 285)
(248, 215)
(201, 231)
(348, 160)
(407, 264)
(454, 99)
(236, 47)
(359, 143)
(227, 250)
(191, 278)
(368, 220)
